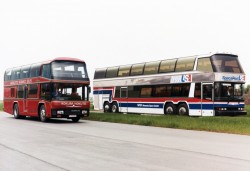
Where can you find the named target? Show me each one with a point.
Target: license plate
(72, 116)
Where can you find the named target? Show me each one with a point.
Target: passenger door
(124, 99)
(207, 99)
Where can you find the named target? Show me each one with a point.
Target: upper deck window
(151, 68)
(137, 69)
(35, 70)
(15, 75)
(100, 73)
(167, 66)
(124, 71)
(226, 63)
(204, 64)
(185, 64)
(112, 72)
(25, 72)
(69, 70)
(7, 75)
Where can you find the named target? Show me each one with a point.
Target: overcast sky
(114, 32)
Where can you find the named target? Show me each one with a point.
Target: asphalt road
(62, 145)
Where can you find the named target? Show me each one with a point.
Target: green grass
(225, 124)
(1, 106)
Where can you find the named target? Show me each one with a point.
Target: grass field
(225, 124)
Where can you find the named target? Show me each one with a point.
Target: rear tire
(106, 107)
(42, 114)
(115, 108)
(183, 109)
(170, 109)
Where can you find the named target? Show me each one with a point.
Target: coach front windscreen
(69, 70)
(226, 63)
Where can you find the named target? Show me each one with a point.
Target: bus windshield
(226, 63)
(69, 70)
(64, 91)
(228, 91)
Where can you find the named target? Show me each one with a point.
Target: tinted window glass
(167, 66)
(7, 75)
(146, 91)
(137, 69)
(35, 70)
(46, 71)
(112, 72)
(124, 71)
(20, 91)
(151, 68)
(15, 75)
(32, 91)
(69, 70)
(204, 64)
(185, 64)
(100, 73)
(134, 91)
(25, 72)
(226, 63)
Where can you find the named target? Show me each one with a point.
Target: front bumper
(229, 113)
(69, 113)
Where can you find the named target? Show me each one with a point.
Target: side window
(146, 92)
(12, 92)
(124, 71)
(46, 71)
(15, 75)
(35, 70)
(185, 64)
(137, 69)
(100, 73)
(151, 68)
(45, 91)
(134, 91)
(204, 64)
(117, 92)
(167, 66)
(20, 91)
(197, 90)
(25, 72)
(112, 72)
(32, 91)
(7, 75)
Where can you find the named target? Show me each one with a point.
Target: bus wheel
(183, 109)
(75, 119)
(42, 114)
(16, 112)
(170, 109)
(114, 108)
(106, 107)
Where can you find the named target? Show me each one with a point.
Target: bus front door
(124, 99)
(207, 102)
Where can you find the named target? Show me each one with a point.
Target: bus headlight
(60, 112)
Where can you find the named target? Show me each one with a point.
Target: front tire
(16, 112)
(75, 119)
(115, 108)
(183, 109)
(42, 114)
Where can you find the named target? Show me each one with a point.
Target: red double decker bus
(58, 88)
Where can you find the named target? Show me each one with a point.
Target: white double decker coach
(202, 85)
